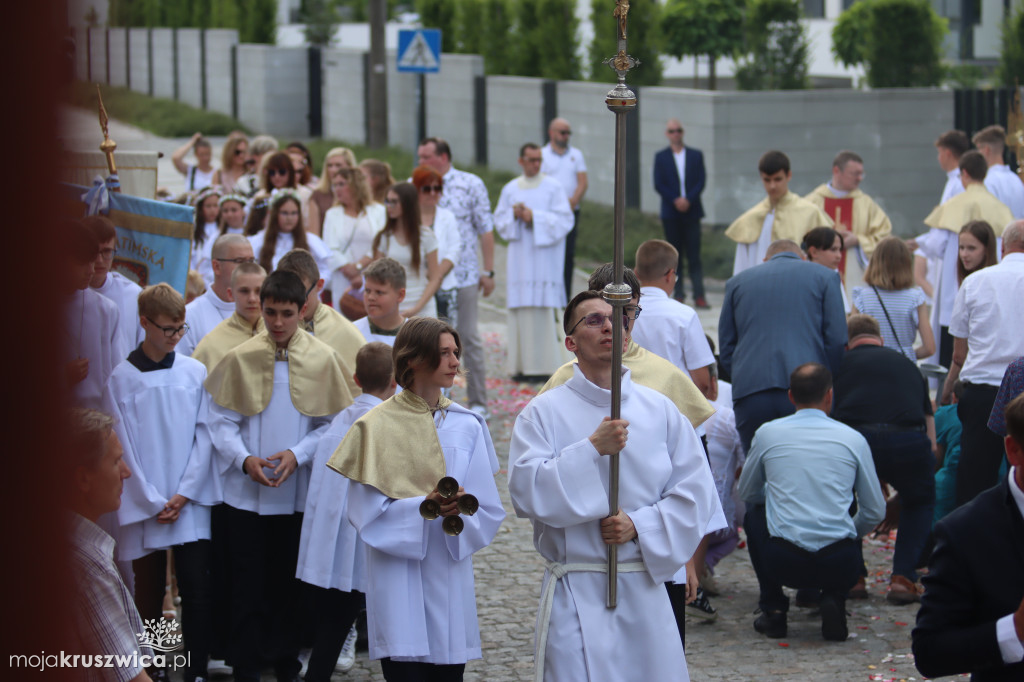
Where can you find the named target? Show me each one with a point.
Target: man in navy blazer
(777, 316)
(972, 612)
(679, 178)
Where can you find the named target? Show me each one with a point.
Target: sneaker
(833, 618)
(347, 657)
(217, 666)
(701, 607)
(771, 624)
(481, 410)
(709, 584)
(902, 591)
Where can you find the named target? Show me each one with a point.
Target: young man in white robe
(160, 406)
(383, 293)
(558, 478)
(534, 215)
(93, 341)
(113, 285)
(421, 602)
(215, 306)
(272, 398)
(332, 558)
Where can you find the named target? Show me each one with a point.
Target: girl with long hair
(205, 230)
(378, 174)
(278, 173)
(430, 185)
(323, 197)
(232, 214)
(977, 249)
(349, 227)
(824, 246)
(233, 162)
(406, 240)
(284, 232)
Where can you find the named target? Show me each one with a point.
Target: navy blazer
(666, 182)
(975, 577)
(777, 316)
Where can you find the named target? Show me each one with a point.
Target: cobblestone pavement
(509, 571)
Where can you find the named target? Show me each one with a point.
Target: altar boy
(161, 409)
(273, 397)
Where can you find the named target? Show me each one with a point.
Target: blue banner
(154, 238)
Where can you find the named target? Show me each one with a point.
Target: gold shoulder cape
(794, 217)
(230, 333)
(869, 222)
(244, 380)
(974, 203)
(332, 328)
(654, 371)
(394, 448)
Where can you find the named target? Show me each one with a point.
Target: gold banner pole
(107, 146)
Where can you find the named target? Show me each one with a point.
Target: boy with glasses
(160, 407)
(111, 284)
(215, 306)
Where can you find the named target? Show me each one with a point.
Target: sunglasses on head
(277, 171)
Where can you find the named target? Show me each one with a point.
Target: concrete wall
(403, 106)
(190, 75)
(138, 45)
(163, 62)
(273, 89)
(118, 50)
(98, 56)
(450, 102)
(219, 42)
(344, 99)
(514, 111)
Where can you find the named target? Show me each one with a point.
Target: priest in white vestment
(558, 478)
(534, 215)
(216, 304)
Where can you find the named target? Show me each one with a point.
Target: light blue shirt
(805, 469)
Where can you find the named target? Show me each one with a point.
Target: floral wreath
(205, 193)
(279, 195)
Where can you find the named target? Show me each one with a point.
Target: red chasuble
(841, 211)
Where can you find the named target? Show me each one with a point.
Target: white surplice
(363, 325)
(420, 600)
(558, 480)
(749, 255)
(125, 295)
(286, 242)
(331, 555)
(92, 329)
(536, 253)
(161, 423)
(202, 315)
(278, 427)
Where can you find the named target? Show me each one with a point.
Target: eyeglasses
(674, 130)
(632, 311)
(236, 261)
(170, 332)
(241, 152)
(431, 189)
(277, 171)
(391, 202)
(108, 254)
(595, 320)
(565, 132)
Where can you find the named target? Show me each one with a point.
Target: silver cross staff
(621, 101)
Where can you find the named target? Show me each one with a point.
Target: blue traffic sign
(419, 50)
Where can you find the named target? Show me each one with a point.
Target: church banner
(154, 238)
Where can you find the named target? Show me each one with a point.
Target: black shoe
(833, 618)
(771, 624)
(701, 607)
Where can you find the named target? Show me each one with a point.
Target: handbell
(468, 504)
(447, 487)
(452, 525)
(430, 509)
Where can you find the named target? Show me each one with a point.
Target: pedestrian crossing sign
(419, 50)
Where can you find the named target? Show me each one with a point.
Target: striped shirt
(902, 307)
(107, 620)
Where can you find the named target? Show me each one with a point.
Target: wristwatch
(489, 274)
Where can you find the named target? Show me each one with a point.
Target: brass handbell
(468, 504)
(452, 525)
(447, 487)
(430, 509)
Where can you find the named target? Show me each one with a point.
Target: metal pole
(621, 101)
(378, 81)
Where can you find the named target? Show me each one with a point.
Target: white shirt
(1009, 644)
(202, 315)
(953, 185)
(415, 280)
(348, 239)
(749, 255)
(449, 244)
(672, 330)
(680, 159)
(987, 313)
(1007, 187)
(125, 295)
(286, 242)
(196, 179)
(563, 167)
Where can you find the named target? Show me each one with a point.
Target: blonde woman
(349, 228)
(323, 197)
(233, 160)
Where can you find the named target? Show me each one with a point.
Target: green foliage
(703, 27)
(643, 35)
(470, 19)
(163, 117)
(904, 44)
(321, 18)
(964, 76)
(778, 52)
(224, 14)
(1011, 58)
(494, 36)
(544, 40)
(439, 14)
(850, 34)
(259, 21)
(201, 13)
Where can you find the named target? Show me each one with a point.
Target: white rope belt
(547, 600)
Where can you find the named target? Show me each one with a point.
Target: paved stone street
(508, 573)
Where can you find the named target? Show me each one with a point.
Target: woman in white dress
(824, 246)
(406, 240)
(349, 227)
(233, 162)
(205, 232)
(284, 232)
(449, 242)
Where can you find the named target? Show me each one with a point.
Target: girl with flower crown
(284, 232)
(205, 232)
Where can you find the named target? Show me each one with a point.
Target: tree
(644, 41)
(1011, 57)
(497, 27)
(777, 49)
(259, 21)
(544, 40)
(899, 42)
(321, 19)
(470, 19)
(439, 14)
(224, 14)
(703, 27)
